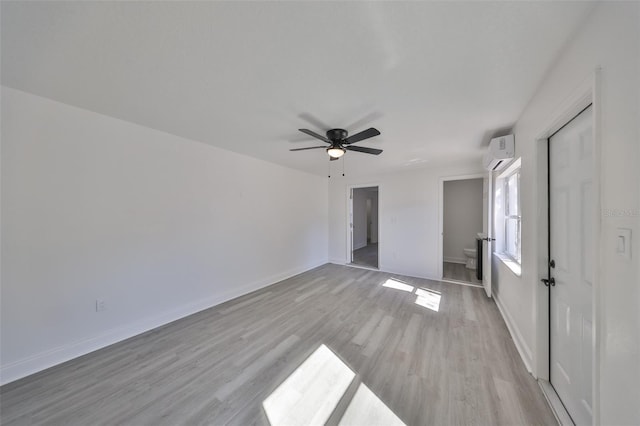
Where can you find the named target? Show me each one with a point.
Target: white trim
(596, 306)
(500, 232)
(50, 358)
(509, 263)
(541, 294)
(460, 260)
(587, 92)
(444, 179)
(387, 271)
(516, 336)
(562, 416)
(368, 268)
(515, 164)
(464, 283)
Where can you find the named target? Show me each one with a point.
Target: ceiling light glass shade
(335, 152)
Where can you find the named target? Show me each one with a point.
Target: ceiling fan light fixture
(339, 143)
(335, 152)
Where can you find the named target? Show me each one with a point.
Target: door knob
(551, 281)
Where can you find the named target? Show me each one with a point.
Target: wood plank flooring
(366, 256)
(423, 352)
(459, 272)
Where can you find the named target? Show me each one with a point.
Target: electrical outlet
(623, 243)
(101, 305)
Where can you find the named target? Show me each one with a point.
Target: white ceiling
(438, 79)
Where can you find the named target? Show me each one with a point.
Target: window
(507, 219)
(512, 216)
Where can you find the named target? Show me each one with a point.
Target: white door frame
(349, 208)
(586, 93)
(441, 215)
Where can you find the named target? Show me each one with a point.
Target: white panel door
(487, 231)
(572, 222)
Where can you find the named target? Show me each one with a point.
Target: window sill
(514, 266)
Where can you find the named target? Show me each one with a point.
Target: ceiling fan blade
(311, 147)
(372, 116)
(315, 135)
(314, 121)
(373, 151)
(365, 134)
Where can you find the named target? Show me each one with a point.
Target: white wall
(462, 218)
(609, 39)
(408, 218)
(155, 225)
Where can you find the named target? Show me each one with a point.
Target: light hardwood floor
(459, 272)
(366, 256)
(433, 353)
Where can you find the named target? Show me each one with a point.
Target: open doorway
(462, 222)
(364, 227)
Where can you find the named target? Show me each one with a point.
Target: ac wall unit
(501, 151)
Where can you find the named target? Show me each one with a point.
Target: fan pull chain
(329, 168)
(343, 160)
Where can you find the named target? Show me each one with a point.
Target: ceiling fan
(340, 142)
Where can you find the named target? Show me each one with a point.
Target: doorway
(364, 227)
(571, 250)
(462, 222)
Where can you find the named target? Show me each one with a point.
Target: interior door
(571, 253)
(487, 231)
(351, 226)
(369, 223)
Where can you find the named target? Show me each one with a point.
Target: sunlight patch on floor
(310, 394)
(425, 297)
(430, 299)
(367, 409)
(398, 285)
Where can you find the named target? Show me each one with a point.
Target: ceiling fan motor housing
(337, 135)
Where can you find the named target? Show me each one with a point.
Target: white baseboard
(521, 345)
(455, 260)
(559, 411)
(41, 361)
(406, 274)
(468, 284)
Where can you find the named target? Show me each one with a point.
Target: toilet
(470, 254)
